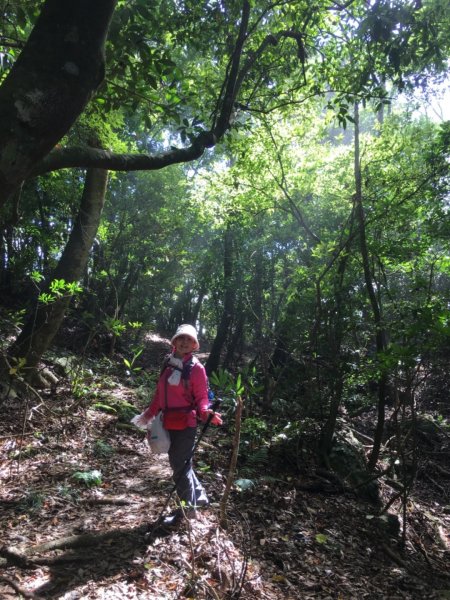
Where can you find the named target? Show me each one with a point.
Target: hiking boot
(202, 503)
(173, 519)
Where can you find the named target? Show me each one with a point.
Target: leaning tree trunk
(54, 77)
(380, 334)
(213, 362)
(43, 324)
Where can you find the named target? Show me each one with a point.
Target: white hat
(186, 330)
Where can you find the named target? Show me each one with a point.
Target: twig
(362, 436)
(401, 563)
(83, 540)
(441, 470)
(395, 497)
(435, 483)
(22, 434)
(239, 574)
(233, 463)
(191, 565)
(373, 477)
(114, 501)
(422, 550)
(14, 435)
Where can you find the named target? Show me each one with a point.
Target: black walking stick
(160, 518)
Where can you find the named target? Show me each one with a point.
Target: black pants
(189, 488)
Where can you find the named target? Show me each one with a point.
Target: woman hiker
(182, 394)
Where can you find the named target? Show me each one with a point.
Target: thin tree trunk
(198, 305)
(233, 463)
(43, 324)
(337, 375)
(258, 294)
(236, 339)
(213, 362)
(380, 334)
(127, 288)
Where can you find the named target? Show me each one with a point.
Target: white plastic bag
(141, 421)
(157, 437)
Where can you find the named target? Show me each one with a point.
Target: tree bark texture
(44, 322)
(54, 77)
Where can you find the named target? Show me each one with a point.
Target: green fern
(89, 478)
(102, 449)
(104, 407)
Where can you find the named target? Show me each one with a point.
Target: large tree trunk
(49, 85)
(44, 322)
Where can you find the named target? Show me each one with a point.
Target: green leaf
(104, 407)
(36, 276)
(321, 538)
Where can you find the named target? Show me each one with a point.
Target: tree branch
(88, 157)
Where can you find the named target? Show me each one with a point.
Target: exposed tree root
(18, 559)
(26, 558)
(119, 501)
(17, 588)
(409, 568)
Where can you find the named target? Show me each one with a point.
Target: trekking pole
(213, 407)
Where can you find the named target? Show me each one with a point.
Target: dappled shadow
(95, 556)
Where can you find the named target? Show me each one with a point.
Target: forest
(276, 174)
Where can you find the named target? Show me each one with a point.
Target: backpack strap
(187, 369)
(165, 364)
(185, 373)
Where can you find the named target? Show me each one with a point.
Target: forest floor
(79, 489)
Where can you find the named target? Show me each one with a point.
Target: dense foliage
(288, 244)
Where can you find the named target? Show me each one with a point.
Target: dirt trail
(106, 555)
(81, 472)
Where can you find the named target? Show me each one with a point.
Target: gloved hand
(141, 421)
(216, 419)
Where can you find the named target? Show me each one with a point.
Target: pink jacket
(196, 394)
